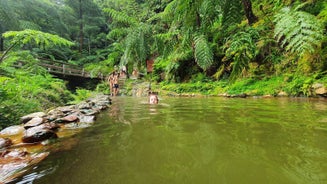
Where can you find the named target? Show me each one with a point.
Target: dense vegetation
(211, 46)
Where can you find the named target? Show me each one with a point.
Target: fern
(38, 37)
(7, 17)
(120, 17)
(297, 31)
(231, 12)
(241, 49)
(29, 25)
(117, 33)
(203, 53)
(34, 37)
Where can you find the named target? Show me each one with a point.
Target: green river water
(195, 140)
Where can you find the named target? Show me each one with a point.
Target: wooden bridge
(65, 69)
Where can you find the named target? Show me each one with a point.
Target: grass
(292, 84)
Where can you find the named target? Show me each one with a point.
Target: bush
(25, 93)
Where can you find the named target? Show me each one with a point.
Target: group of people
(113, 80)
(113, 83)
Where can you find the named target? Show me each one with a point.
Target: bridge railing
(62, 68)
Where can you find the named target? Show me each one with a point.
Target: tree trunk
(81, 33)
(1, 44)
(247, 5)
(198, 20)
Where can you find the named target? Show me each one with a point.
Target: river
(195, 140)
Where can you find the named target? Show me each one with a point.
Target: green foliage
(191, 88)
(203, 53)
(232, 12)
(251, 86)
(323, 14)
(299, 85)
(103, 88)
(81, 95)
(241, 49)
(26, 93)
(36, 37)
(121, 17)
(298, 31)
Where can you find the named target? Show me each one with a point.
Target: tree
(33, 37)
(247, 5)
(89, 19)
(8, 20)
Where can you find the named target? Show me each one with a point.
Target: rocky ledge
(24, 145)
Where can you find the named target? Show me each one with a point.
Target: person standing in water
(111, 83)
(115, 84)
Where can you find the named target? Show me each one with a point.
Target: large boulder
(89, 112)
(40, 133)
(319, 89)
(68, 119)
(67, 109)
(87, 119)
(28, 117)
(12, 130)
(85, 105)
(5, 142)
(33, 122)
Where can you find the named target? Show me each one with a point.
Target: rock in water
(38, 134)
(28, 117)
(33, 122)
(5, 142)
(12, 130)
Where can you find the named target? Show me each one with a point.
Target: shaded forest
(280, 45)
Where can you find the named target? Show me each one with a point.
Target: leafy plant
(203, 53)
(33, 37)
(241, 49)
(298, 31)
(80, 95)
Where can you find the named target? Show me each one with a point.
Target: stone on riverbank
(68, 119)
(5, 142)
(40, 133)
(38, 128)
(319, 89)
(87, 119)
(33, 122)
(12, 130)
(28, 117)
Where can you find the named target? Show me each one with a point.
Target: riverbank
(24, 145)
(278, 86)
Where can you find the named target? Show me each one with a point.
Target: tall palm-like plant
(132, 34)
(33, 37)
(189, 22)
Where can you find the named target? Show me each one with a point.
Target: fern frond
(117, 33)
(203, 53)
(120, 16)
(298, 31)
(29, 25)
(241, 49)
(38, 37)
(232, 12)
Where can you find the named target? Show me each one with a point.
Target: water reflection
(199, 140)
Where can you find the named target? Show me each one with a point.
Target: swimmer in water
(153, 98)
